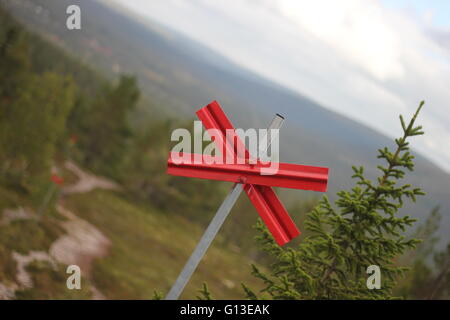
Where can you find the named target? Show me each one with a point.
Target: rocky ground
(80, 245)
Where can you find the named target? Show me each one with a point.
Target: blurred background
(86, 117)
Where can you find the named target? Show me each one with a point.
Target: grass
(68, 176)
(7, 266)
(149, 248)
(26, 235)
(23, 236)
(9, 199)
(50, 284)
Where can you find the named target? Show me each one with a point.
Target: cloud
(355, 29)
(356, 57)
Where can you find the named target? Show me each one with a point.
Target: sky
(367, 59)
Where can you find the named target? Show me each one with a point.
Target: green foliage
(44, 232)
(143, 173)
(249, 293)
(204, 293)
(40, 107)
(106, 130)
(7, 266)
(429, 280)
(157, 295)
(144, 242)
(14, 58)
(362, 229)
(427, 233)
(441, 278)
(49, 283)
(429, 277)
(33, 112)
(145, 164)
(23, 236)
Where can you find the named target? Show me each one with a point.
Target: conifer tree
(429, 277)
(33, 112)
(362, 228)
(107, 131)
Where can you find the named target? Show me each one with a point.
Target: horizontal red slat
(287, 176)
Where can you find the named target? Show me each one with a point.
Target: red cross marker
(256, 185)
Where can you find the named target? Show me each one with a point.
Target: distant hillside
(179, 76)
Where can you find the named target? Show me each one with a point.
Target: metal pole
(214, 226)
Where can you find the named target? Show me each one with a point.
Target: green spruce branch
(362, 229)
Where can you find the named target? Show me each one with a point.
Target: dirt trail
(86, 181)
(24, 280)
(23, 277)
(19, 213)
(81, 245)
(83, 242)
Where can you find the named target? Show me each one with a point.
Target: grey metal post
(214, 226)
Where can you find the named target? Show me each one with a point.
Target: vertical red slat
(213, 117)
